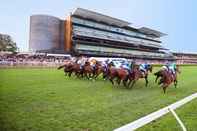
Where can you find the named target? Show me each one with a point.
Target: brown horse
(99, 69)
(77, 69)
(137, 74)
(111, 73)
(167, 77)
(120, 74)
(71, 67)
(88, 70)
(123, 76)
(67, 68)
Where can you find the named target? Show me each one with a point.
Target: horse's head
(110, 64)
(87, 63)
(98, 63)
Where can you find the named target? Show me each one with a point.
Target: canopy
(87, 14)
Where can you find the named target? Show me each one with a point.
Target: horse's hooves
(129, 87)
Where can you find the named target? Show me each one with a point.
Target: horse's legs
(175, 83)
(69, 74)
(105, 76)
(81, 73)
(97, 74)
(161, 81)
(156, 78)
(76, 74)
(87, 75)
(133, 82)
(118, 81)
(65, 72)
(146, 79)
(125, 83)
(130, 80)
(164, 88)
(90, 75)
(111, 79)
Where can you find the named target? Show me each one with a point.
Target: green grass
(187, 114)
(46, 100)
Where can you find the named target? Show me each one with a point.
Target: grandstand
(185, 58)
(93, 34)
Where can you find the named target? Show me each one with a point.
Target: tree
(7, 44)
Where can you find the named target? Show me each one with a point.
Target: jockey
(93, 63)
(166, 66)
(172, 68)
(81, 61)
(144, 67)
(104, 63)
(117, 64)
(132, 64)
(125, 65)
(73, 59)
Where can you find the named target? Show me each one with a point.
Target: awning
(151, 32)
(87, 14)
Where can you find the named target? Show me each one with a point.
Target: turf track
(44, 99)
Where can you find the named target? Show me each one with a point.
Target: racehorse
(137, 74)
(98, 69)
(67, 68)
(111, 72)
(77, 69)
(71, 67)
(88, 70)
(167, 77)
(122, 75)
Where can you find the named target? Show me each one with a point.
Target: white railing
(155, 115)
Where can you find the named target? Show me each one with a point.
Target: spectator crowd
(30, 60)
(8, 59)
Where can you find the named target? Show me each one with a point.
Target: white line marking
(178, 119)
(153, 116)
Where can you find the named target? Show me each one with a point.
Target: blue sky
(177, 18)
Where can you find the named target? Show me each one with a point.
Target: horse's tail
(60, 67)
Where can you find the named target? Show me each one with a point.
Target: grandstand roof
(185, 53)
(151, 32)
(98, 17)
(87, 14)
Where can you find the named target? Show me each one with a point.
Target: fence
(29, 64)
(155, 115)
